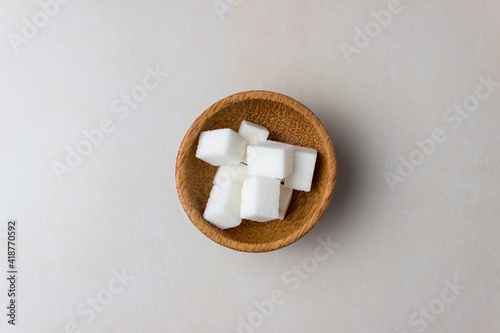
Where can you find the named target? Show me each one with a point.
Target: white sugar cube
(285, 198)
(221, 146)
(234, 172)
(303, 169)
(279, 143)
(253, 133)
(260, 198)
(223, 206)
(270, 159)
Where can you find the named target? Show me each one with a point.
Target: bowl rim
(194, 130)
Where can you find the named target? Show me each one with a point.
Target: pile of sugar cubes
(251, 170)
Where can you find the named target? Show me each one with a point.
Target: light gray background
(396, 250)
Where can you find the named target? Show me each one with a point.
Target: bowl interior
(286, 123)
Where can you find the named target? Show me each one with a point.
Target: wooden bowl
(288, 121)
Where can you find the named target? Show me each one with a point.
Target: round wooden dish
(288, 121)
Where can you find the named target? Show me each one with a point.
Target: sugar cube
(223, 206)
(260, 198)
(270, 159)
(303, 169)
(253, 133)
(221, 146)
(285, 198)
(235, 172)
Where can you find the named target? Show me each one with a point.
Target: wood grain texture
(288, 121)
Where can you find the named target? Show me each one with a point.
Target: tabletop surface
(95, 98)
